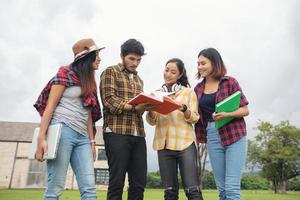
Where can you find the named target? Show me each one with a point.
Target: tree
(276, 150)
(294, 184)
(202, 155)
(153, 180)
(208, 181)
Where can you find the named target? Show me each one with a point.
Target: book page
(155, 98)
(160, 94)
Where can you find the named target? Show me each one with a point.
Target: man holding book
(123, 128)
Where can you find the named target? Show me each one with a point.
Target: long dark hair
(183, 80)
(86, 74)
(216, 60)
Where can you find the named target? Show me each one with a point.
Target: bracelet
(93, 141)
(184, 108)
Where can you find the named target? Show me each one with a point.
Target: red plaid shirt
(67, 77)
(234, 130)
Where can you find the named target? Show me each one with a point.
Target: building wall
(100, 164)
(20, 174)
(31, 173)
(20, 171)
(7, 155)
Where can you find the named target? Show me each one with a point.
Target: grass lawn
(150, 194)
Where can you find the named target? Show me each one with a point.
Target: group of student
(70, 98)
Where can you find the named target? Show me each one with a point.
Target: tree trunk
(275, 186)
(282, 186)
(202, 155)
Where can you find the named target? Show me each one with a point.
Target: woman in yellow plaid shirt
(174, 134)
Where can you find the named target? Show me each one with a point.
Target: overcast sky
(259, 42)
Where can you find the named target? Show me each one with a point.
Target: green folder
(229, 104)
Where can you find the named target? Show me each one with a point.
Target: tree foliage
(294, 184)
(276, 150)
(208, 181)
(153, 180)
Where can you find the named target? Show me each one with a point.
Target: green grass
(150, 194)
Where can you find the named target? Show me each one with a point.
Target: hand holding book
(221, 115)
(42, 150)
(224, 108)
(142, 107)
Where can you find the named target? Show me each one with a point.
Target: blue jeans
(227, 163)
(73, 148)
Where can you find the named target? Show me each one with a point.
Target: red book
(166, 104)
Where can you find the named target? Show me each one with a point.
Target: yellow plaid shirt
(174, 131)
(117, 87)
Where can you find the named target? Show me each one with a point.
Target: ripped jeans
(186, 160)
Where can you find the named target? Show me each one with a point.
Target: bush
(208, 180)
(254, 182)
(153, 180)
(294, 184)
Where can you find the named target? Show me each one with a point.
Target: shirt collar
(223, 78)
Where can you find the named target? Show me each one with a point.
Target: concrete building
(17, 171)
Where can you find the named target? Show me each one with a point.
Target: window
(101, 176)
(36, 174)
(102, 154)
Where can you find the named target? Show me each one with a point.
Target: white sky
(259, 42)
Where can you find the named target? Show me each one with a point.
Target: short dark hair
(132, 46)
(216, 60)
(183, 80)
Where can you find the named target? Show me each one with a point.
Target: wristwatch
(184, 108)
(133, 109)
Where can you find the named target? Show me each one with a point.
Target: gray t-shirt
(71, 111)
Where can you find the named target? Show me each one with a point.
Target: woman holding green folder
(227, 145)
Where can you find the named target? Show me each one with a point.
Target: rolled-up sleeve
(108, 91)
(236, 87)
(193, 106)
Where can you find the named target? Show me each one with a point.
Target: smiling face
(171, 74)
(96, 63)
(131, 61)
(205, 67)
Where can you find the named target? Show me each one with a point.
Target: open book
(166, 104)
(229, 104)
